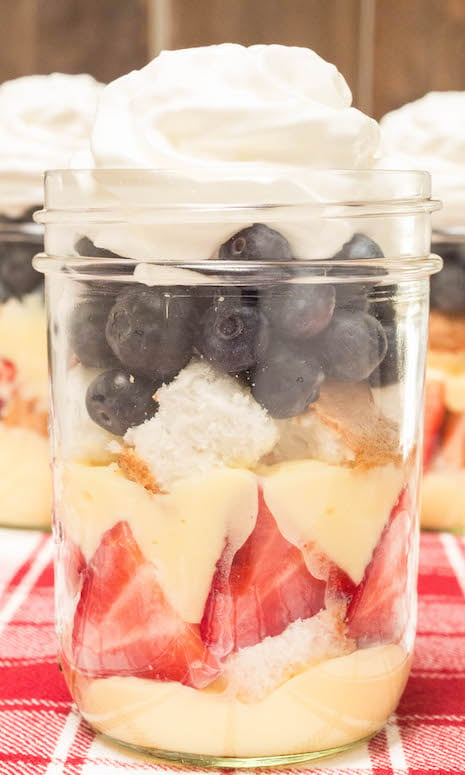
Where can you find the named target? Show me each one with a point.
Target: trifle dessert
(236, 407)
(43, 121)
(428, 133)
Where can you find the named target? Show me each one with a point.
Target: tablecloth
(42, 733)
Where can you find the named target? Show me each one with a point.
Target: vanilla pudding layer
(332, 704)
(23, 341)
(184, 532)
(26, 481)
(24, 446)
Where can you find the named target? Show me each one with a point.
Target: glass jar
(24, 448)
(443, 502)
(236, 456)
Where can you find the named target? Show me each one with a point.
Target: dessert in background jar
(429, 134)
(236, 410)
(43, 121)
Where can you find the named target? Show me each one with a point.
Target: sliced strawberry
(340, 588)
(7, 370)
(452, 451)
(260, 591)
(435, 409)
(72, 563)
(125, 626)
(377, 611)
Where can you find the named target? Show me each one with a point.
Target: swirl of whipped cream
(236, 125)
(44, 119)
(232, 104)
(429, 134)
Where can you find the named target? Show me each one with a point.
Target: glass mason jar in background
(236, 449)
(24, 448)
(443, 502)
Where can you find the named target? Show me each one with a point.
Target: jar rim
(282, 190)
(379, 271)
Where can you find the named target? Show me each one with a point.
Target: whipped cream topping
(237, 125)
(44, 119)
(429, 134)
(232, 104)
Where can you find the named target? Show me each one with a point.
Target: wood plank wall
(390, 51)
(106, 38)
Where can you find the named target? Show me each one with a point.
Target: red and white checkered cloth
(41, 732)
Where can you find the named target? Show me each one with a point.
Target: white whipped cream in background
(429, 134)
(236, 125)
(44, 119)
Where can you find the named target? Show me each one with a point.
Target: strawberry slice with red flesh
(72, 564)
(7, 377)
(260, 591)
(7, 371)
(452, 450)
(124, 624)
(435, 409)
(340, 588)
(377, 611)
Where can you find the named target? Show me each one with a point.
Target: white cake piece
(206, 420)
(253, 672)
(346, 426)
(306, 436)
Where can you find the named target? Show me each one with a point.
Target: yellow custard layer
(339, 701)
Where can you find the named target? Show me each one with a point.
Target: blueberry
(450, 251)
(390, 369)
(116, 401)
(355, 295)
(298, 312)
(17, 275)
(384, 309)
(286, 382)
(213, 295)
(150, 330)
(232, 335)
(4, 293)
(359, 246)
(352, 346)
(256, 243)
(87, 331)
(448, 286)
(85, 247)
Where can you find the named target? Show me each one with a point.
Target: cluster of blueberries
(448, 286)
(17, 276)
(279, 338)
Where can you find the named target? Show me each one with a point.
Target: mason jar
(237, 404)
(24, 448)
(443, 502)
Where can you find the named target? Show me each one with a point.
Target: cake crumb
(24, 413)
(446, 332)
(135, 469)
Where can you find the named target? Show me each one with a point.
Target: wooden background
(390, 51)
